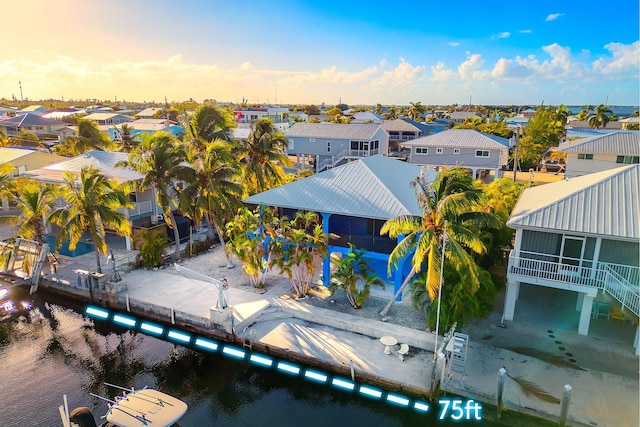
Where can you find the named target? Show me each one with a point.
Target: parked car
(552, 165)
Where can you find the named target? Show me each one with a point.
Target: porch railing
(140, 208)
(335, 159)
(619, 281)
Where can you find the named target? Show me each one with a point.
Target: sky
(302, 52)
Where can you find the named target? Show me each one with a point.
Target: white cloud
(502, 35)
(442, 74)
(553, 16)
(470, 69)
(510, 69)
(625, 60)
(527, 31)
(402, 75)
(246, 66)
(454, 44)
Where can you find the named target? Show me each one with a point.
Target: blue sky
(393, 53)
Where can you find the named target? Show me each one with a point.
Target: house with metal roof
(108, 118)
(34, 109)
(460, 116)
(148, 113)
(403, 130)
(354, 201)
(30, 122)
(481, 153)
(145, 210)
(601, 152)
(327, 145)
(580, 237)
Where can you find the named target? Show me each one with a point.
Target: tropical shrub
(152, 248)
(354, 276)
(297, 247)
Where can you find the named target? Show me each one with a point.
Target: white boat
(134, 408)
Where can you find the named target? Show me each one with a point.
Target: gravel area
(588, 352)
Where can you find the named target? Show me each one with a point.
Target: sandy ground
(589, 352)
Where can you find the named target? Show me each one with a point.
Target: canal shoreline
(274, 326)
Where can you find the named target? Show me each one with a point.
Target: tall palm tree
(448, 200)
(92, 203)
(264, 156)
(391, 114)
(163, 162)
(215, 189)
(35, 201)
(600, 116)
(208, 123)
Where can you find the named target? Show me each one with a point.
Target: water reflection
(54, 350)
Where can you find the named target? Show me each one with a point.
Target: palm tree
(391, 114)
(35, 202)
(215, 189)
(129, 142)
(88, 138)
(208, 123)
(416, 109)
(163, 163)
(92, 200)
(264, 156)
(448, 200)
(600, 116)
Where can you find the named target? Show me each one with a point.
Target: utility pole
(515, 154)
(21, 98)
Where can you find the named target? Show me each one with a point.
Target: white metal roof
(374, 187)
(460, 138)
(625, 143)
(104, 161)
(363, 131)
(603, 203)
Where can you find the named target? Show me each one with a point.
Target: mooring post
(564, 404)
(353, 372)
(173, 316)
(502, 374)
(126, 299)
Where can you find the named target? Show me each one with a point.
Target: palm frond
(546, 357)
(531, 389)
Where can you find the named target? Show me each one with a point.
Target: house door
(572, 253)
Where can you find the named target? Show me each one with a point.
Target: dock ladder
(248, 337)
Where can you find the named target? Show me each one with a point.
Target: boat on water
(134, 408)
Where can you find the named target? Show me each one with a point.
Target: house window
(627, 160)
(422, 150)
(482, 153)
(584, 156)
(328, 146)
(439, 150)
(456, 151)
(133, 197)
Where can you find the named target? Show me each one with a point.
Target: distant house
(30, 122)
(403, 130)
(244, 116)
(354, 200)
(601, 152)
(581, 237)
(145, 210)
(364, 117)
(62, 113)
(108, 118)
(584, 124)
(327, 145)
(458, 117)
(144, 126)
(479, 152)
(529, 112)
(24, 160)
(148, 113)
(34, 109)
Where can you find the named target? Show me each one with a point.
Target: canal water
(53, 350)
